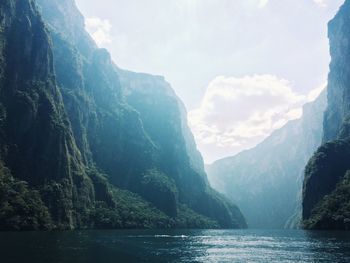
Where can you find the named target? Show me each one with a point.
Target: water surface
(175, 246)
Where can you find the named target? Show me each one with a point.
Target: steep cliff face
(132, 126)
(326, 189)
(77, 129)
(323, 175)
(164, 120)
(266, 181)
(36, 141)
(337, 115)
(109, 132)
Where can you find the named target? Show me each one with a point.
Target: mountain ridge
(103, 163)
(270, 175)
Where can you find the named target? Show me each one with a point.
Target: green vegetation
(20, 207)
(116, 208)
(161, 191)
(323, 175)
(326, 193)
(79, 155)
(333, 211)
(129, 210)
(187, 218)
(23, 209)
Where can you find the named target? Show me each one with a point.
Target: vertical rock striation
(91, 144)
(326, 186)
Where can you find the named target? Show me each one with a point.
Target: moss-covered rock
(333, 210)
(20, 207)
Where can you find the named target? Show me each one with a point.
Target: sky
(243, 68)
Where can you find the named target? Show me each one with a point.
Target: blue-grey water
(175, 246)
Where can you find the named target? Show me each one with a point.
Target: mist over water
(176, 246)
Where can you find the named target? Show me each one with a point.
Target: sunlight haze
(269, 55)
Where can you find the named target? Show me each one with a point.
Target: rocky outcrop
(326, 189)
(324, 176)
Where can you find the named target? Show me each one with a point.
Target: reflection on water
(175, 246)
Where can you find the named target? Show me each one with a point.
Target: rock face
(266, 181)
(338, 112)
(176, 150)
(75, 130)
(326, 186)
(37, 144)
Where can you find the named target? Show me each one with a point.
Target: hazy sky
(242, 67)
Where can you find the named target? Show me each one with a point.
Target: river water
(175, 246)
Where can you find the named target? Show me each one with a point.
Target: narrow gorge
(80, 147)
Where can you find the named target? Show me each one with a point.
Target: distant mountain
(266, 181)
(326, 192)
(84, 144)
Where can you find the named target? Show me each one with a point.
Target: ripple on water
(176, 246)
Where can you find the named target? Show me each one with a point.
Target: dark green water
(175, 246)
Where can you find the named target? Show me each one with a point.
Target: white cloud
(321, 2)
(238, 113)
(99, 29)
